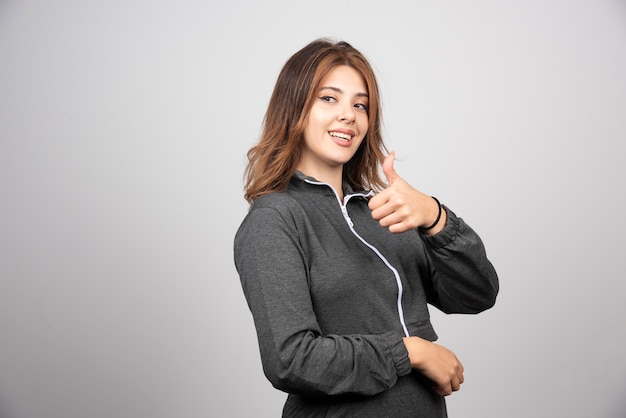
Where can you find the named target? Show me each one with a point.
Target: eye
(361, 106)
(328, 99)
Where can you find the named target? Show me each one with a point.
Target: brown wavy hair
(273, 160)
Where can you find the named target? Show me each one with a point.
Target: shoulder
(277, 205)
(278, 201)
(277, 210)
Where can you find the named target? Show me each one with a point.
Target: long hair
(273, 160)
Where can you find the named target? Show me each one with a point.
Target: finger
(381, 205)
(377, 201)
(443, 390)
(388, 169)
(399, 227)
(390, 219)
(455, 384)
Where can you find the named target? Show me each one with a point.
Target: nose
(346, 114)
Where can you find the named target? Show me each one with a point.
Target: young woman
(337, 265)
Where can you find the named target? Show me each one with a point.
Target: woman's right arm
(296, 356)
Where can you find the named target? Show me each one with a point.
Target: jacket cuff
(447, 234)
(399, 355)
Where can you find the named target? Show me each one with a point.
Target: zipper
(344, 210)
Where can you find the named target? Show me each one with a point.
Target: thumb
(388, 169)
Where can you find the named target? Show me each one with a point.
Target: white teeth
(341, 135)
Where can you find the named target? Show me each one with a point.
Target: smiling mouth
(342, 136)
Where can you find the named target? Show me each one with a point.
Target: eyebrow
(338, 90)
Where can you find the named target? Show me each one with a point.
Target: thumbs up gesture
(400, 207)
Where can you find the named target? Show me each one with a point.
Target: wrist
(440, 216)
(415, 349)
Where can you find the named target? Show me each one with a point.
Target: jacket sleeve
(296, 357)
(462, 279)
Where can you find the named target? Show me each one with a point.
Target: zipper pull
(344, 210)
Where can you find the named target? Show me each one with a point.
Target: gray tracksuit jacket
(332, 293)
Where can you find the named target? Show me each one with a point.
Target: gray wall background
(123, 132)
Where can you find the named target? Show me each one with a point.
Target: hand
(437, 363)
(400, 207)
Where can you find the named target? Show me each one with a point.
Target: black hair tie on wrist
(438, 216)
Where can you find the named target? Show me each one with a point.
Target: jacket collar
(300, 178)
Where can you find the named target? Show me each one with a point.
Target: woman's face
(337, 122)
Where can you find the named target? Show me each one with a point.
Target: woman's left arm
(462, 278)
